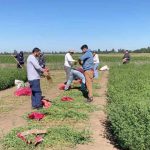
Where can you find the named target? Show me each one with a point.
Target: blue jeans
(67, 70)
(36, 93)
(96, 70)
(74, 74)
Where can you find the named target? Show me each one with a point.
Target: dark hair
(36, 50)
(84, 46)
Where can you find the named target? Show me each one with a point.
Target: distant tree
(99, 51)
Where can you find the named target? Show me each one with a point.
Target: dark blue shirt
(87, 59)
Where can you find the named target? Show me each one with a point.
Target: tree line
(99, 51)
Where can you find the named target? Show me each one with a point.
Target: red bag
(36, 115)
(80, 70)
(46, 103)
(23, 91)
(66, 98)
(61, 86)
(38, 139)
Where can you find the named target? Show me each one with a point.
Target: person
(20, 59)
(76, 74)
(33, 74)
(42, 60)
(86, 60)
(69, 61)
(126, 57)
(96, 64)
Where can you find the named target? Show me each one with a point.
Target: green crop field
(9, 75)
(128, 106)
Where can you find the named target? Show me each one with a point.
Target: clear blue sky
(64, 24)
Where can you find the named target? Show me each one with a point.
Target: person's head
(71, 51)
(21, 53)
(41, 54)
(126, 51)
(84, 48)
(94, 53)
(36, 52)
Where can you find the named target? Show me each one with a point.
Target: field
(124, 110)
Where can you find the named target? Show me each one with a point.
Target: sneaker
(89, 99)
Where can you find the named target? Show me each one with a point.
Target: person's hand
(80, 62)
(75, 62)
(45, 73)
(46, 69)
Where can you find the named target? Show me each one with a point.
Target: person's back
(20, 58)
(126, 58)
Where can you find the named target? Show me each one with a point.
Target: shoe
(89, 99)
(41, 107)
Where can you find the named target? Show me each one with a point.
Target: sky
(60, 25)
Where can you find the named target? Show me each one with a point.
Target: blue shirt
(87, 59)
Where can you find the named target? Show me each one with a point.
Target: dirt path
(97, 120)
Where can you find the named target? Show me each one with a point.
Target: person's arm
(95, 59)
(123, 56)
(84, 57)
(36, 65)
(70, 59)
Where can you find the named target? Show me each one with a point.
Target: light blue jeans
(74, 74)
(96, 70)
(67, 70)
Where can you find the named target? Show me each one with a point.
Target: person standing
(42, 60)
(33, 74)
(20, 59)
(69, 61)
(96, 64)
(86, 60)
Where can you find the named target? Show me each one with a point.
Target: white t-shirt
(96, 59)
(68, 60)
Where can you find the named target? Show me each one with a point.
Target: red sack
(46, 103)
(80, 70)
(38, 139)
(66, 98)
(23, 91)
(61, 86)
(36, 115)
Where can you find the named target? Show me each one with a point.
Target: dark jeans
(36, 93)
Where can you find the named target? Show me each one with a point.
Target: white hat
(71, 51)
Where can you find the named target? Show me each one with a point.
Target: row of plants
(129, 105)
(9, 75)
(59, 58)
